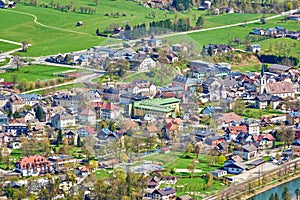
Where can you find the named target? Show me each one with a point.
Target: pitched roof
(165, 192)
(237, 129)
(108, 106)
(90, 130)
(259, 138)
(279, 67)
(87, 112)
(249, 147)
(280, 88)
(230, 117)
(32, 161)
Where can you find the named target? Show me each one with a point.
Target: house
(296, 147)
(109, 111)
(229, 118)
(164, 194)
(254, 48)
(281, 89)
(247, 151)
(63, 120)
(219, 173)
(153, 183)
(17, 129)
(184, 197)
(82, 171)
(257, 31)
(214, 140)
(58, 162)
(185, 82)
(86, 131)
(87, 116)
(235, 168)
(141, 62)
(3, 118)
(262, 101)
(279, 69)
(33, 165)
(111, 94)
(223, 147)
(141, 86)
(265, 141)
(293, 118)
(232, 131)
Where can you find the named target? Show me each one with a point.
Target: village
(236, 124)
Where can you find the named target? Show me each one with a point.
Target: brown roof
(87, 112)
(249, 147)
(280, 88)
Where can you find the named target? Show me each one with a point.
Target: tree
(191, 167)
(276, 196)
(79, 142)
(285, 194)
(25, 46)
(59, 137)
(201, 21)
(16, 61)
(198, 148)
(112, 126)
(289, 6)
(88, 146)
(189, 150)
(39, 113)
(222, 159)
(272, 197)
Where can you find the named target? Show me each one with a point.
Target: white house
(63, 120)
(33, 165)
(87, 116)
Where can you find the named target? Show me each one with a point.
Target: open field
(257, 113)
(252, 67)
(222, 36)
(7, 46)
(55, 31)
(34, 73)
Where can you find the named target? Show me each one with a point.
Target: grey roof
(249, 147)
(165, 192)
(279, 67)
(185, 80)
(294, 114)
(30, 96)
(201, 63)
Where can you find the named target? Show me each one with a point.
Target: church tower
(263, 81)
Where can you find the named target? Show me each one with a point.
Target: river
(292, 186)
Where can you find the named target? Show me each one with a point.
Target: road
(83, 79)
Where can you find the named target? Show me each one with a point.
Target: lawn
(196, 184)
(257, 113)
(4, 62)
(34, 73)
(7, 46)
(102, 174)
(251, 67)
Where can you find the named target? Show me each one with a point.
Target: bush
(106, 14)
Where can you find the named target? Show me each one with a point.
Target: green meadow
(222, 36)
(7, 46)
(34, 73)
(58, 32)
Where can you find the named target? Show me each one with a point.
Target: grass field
(7, 46)
(59, 88)
(257, 113)
(222, 36)
(162, 76)
(50, 40)
(252, 67)
(34, 73)
(4, 62)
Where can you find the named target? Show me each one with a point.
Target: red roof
(32, 161)
(108, 106)
(259, 138)
(237, 129)
(90, 130)
(171, 126)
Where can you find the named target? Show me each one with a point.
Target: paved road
(11, 42)
(82, 79)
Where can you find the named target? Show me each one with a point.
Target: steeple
(263, 81)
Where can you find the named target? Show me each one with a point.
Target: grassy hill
(57, 32)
